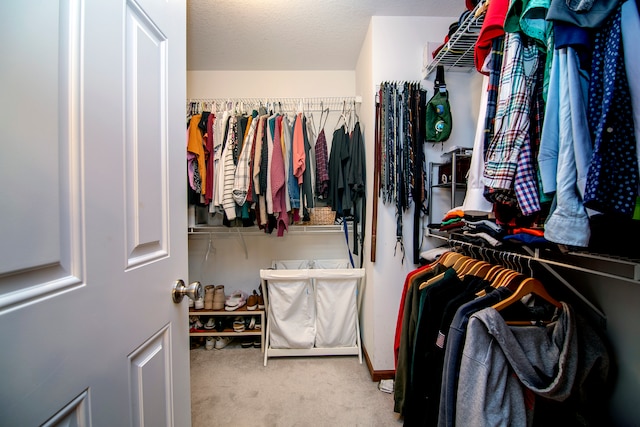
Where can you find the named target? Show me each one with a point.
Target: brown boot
(219, 297)
(208, 297)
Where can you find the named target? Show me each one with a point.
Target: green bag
(438, 115)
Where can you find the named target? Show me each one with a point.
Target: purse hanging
(438, 115)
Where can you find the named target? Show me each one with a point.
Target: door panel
(41, 225)
(92, 170)
(150, 381)
(146, 138)
(75, 414)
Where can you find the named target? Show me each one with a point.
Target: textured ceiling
(290, 34)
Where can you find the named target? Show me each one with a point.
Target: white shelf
(457, 52)
(255, 230)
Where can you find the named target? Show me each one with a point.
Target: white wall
(364, 83)
(277, 84)
(396, 45)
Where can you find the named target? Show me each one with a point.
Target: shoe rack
(228, 317)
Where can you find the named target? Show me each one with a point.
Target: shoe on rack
(238, 324)
(222, 342)
(208, 297)
(197, 324)
(260, 300)
(252, 301)
(199, 304)
(236, 300)
(218, 297)
(252, 323)
(256, 343)
(211, 323)
(246, 343)
(258, 325)
(209, 343)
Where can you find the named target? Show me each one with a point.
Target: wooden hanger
(449, 258)
(466, 267)
(460, 261)
(480, 269)
(504, 278)
(528, 286)
(496, 279)
(495, 269)
(449, 261)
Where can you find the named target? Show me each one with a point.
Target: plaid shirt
(494, 65)
(512, 115)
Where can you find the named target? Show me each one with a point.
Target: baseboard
(377, 375)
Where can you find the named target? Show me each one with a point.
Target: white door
(92, 213)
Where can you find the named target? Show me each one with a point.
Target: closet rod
(506, 256)
(311, 104)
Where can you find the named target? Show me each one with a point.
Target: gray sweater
(505, 370)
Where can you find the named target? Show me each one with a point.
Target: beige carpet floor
(231, 387)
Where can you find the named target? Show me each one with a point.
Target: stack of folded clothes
(483, 232)
(531, 236)
(487, 232)
(452, 220)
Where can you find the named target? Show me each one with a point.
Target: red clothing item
(299, 156)
(407, 284)
(492, 27)
(533, 231)
(278, 180)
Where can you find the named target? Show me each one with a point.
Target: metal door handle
(193, 291)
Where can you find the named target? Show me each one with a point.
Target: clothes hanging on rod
(465, 359)
(560, 96)
(242, 140)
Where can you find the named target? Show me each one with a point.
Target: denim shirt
(565, 150)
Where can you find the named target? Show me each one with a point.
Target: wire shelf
(457, 52)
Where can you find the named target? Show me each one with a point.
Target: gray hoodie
(505, 369)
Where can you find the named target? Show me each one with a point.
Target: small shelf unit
(229, 332)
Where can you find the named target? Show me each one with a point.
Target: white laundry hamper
(312, 311)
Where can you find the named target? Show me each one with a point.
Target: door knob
(193, 291)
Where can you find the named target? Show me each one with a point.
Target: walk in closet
(601, 288)
(317, 174)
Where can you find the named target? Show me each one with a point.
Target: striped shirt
(242, 176)
(228, 175)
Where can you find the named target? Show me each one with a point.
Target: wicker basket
(322, 216)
